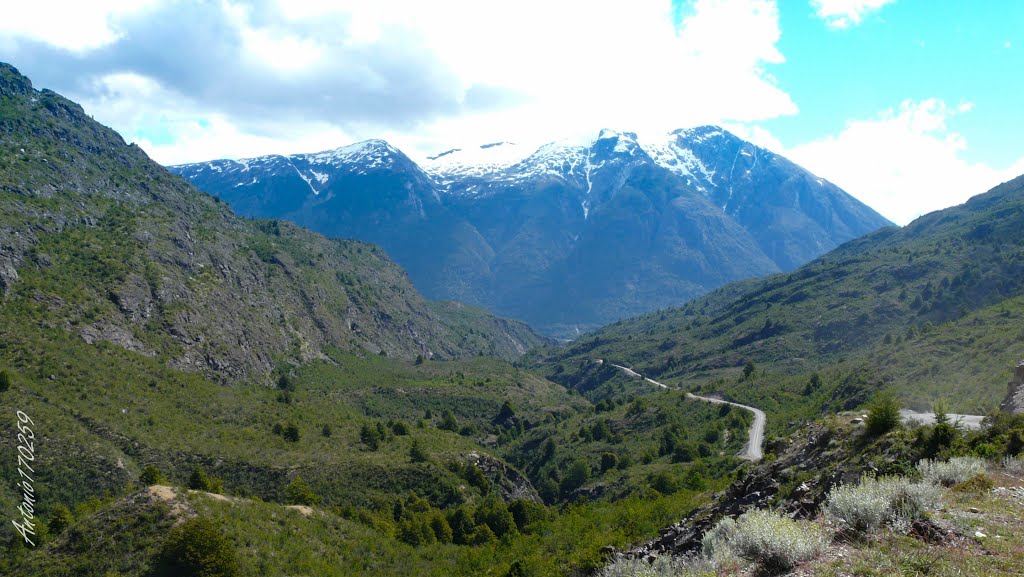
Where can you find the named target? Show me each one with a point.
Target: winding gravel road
(752, 450)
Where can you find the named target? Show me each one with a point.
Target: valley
(216, 390)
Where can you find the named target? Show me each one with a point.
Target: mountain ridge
(524, 232)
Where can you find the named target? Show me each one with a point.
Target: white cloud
(905, 162)
(74, 26)
(846, 13)
(529, 71)
(173, 130)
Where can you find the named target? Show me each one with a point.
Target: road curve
(752, 450)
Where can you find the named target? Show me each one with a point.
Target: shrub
(949, 473)
(526, 513)
(777, 543)
(417, 454)
(979, 483)
(664, 566)
(298, 492)
(60, 518)
(151, 476)
(664, 483)
(196, 548)
(495, 514)
(883, 414)
(5, 381)
(878, 501)
(1013, 465)
(201, 481)
(291, 433)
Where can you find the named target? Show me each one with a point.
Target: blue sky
(909, 105)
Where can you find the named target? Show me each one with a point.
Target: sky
(909, 105)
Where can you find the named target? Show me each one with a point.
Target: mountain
(566, 237)
(930, 310)
(100, 241)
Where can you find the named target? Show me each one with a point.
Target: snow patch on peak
(477, 161)
(674, 156)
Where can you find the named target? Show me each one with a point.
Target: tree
(416, 452)
(748, 370)
(298, 492)
(461, 523)
(369, 437)
(201, 481)
(439, 525)
(941, 410)
(5, 381)
(284, 383)
(196, 548)
(527, 513)
(576, 477)
(608, 461)
(448, 422)
(60, 518)
(151, 476)
(664, 483)
(506, 412)
(326, 430)
(291, 433)
(883, 414)
(495, 514)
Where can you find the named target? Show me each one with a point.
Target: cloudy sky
(909, 105)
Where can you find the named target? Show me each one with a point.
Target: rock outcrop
(807, 466)
(1014, 402)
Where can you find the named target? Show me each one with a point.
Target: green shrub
(979, 483)
(949, 473)
(201, 481)
(5, 381)
(883, 414)
(60, 518)
(495, 514)
(877, 501)
(298, 492)
(417, 454)
(196, 548)
(152, 476)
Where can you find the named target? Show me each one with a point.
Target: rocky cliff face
(97, 239)
(1014, 402)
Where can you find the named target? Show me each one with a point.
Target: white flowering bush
(1014, 465)
(880, 501)
(949, 473)
(777, 543)
(665, 566)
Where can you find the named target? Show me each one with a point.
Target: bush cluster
(665, 566)
(949, 473)
(879, 501)
(777, 543)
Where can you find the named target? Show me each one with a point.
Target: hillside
(567, 237)
(140, 327)
(933, 309)
(100, 241)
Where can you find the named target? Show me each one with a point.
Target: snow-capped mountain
(566, 236)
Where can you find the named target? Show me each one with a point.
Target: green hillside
(929, 310)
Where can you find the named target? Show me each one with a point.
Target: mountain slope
(933, 308)
(100, 241)
(560, 236)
